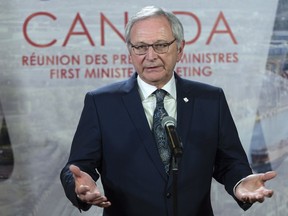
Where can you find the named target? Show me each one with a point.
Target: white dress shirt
(149, 99)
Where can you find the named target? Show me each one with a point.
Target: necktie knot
(160, 94)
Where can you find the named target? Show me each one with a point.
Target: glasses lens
(140, 50)
(161, 48)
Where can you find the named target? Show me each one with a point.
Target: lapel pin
(186, 99)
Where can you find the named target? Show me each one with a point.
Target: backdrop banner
(53, 52)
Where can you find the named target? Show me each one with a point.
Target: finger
(252, 199)
(102, 204)
(258, 199)
(268, 193)
(245, 199)
(87, 197)
(105, 204)
(83, 189)
(75, 170)
(95, 199)
(269, 175)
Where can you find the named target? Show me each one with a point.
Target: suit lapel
(185, 107)
(133, 104)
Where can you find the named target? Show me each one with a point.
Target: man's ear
(181, 47)
(180, 51)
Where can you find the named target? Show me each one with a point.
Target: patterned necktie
(159, 131)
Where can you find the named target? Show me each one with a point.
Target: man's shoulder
(110, 87)
(115, 88)
(198, 87)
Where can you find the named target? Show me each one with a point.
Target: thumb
(269, 175)
(75, 170)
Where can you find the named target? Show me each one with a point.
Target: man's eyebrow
(158, 41)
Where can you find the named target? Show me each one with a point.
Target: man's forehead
(153, 28)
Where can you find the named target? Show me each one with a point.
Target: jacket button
(168, 195)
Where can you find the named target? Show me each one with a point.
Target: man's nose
(151, 54)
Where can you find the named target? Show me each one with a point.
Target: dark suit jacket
(114, 137)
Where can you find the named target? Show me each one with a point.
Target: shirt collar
(146, 89)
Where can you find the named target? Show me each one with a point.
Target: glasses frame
(168, 44)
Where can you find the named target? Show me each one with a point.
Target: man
(114, 139)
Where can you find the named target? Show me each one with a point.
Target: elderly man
(117, 138)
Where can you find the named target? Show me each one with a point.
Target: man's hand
(86, 189)
(252, 188)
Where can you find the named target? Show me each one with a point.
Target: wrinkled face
(154, 68)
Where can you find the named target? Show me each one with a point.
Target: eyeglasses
(159, 48)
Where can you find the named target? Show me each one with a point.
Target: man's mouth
(149, 68)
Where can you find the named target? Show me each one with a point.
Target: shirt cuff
(234, 189)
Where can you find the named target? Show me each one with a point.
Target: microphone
(169, 124)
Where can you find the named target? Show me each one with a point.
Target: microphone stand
(175, 163)
(177, 150)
